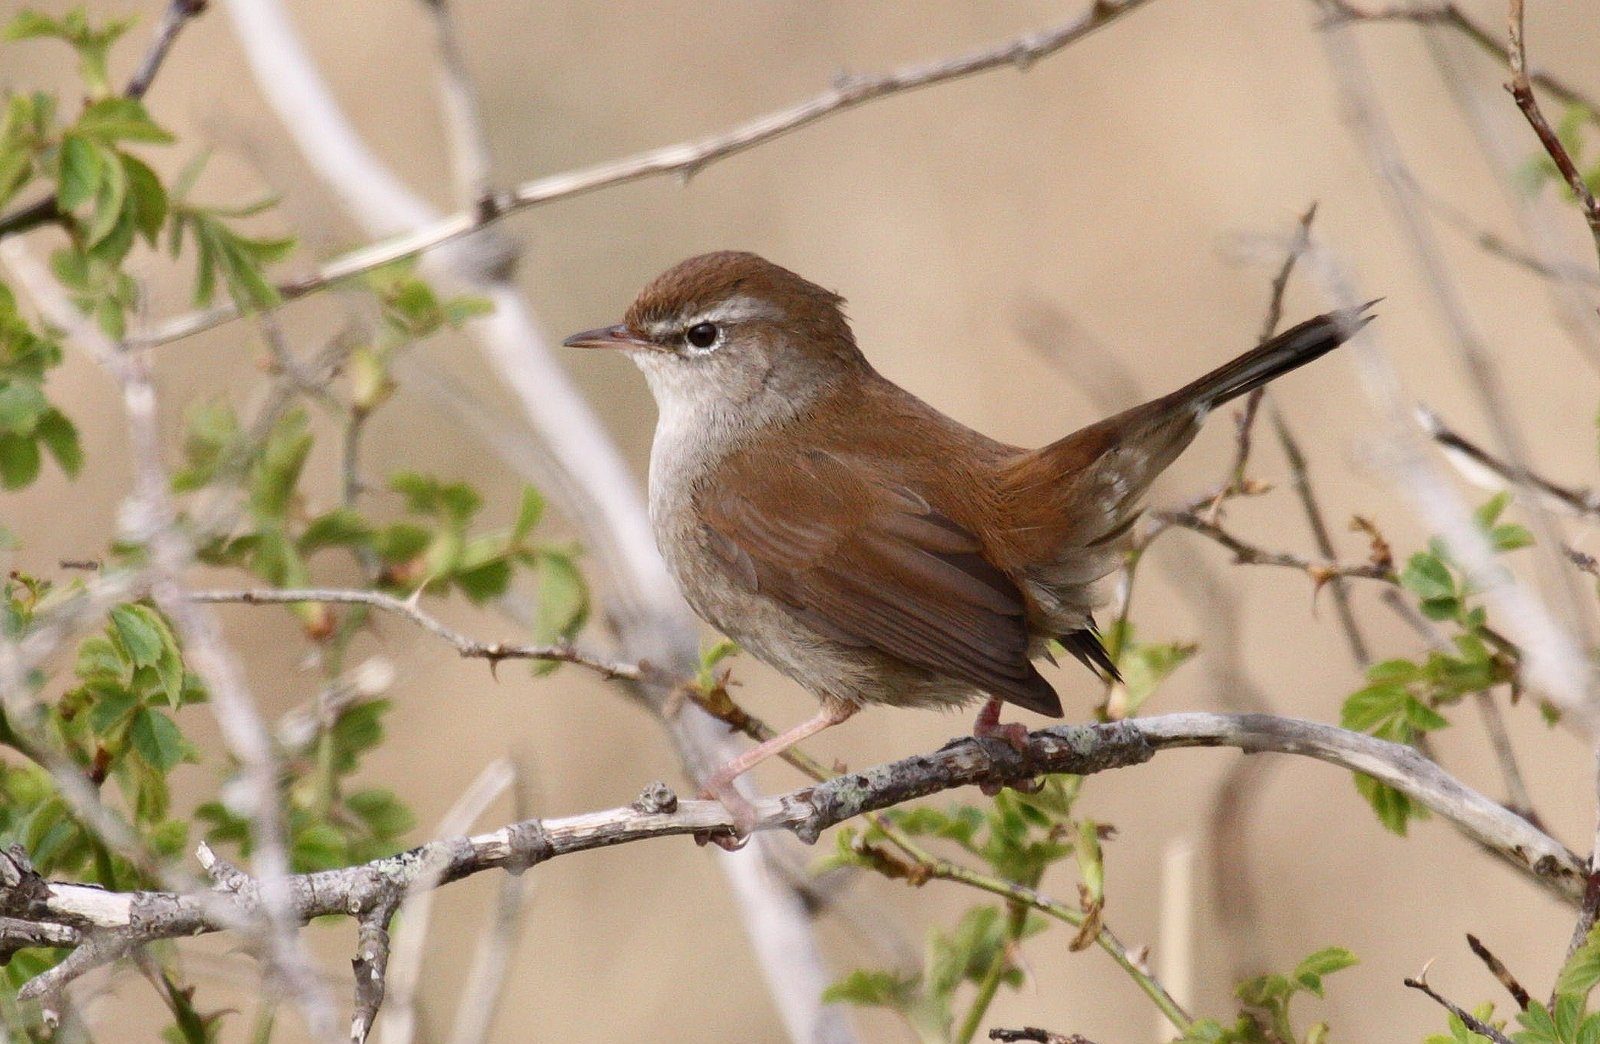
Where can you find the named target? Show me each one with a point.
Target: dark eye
(701, 335)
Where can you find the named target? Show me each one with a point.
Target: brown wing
(860, 557)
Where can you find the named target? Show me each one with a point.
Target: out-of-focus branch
(682, 160)
(1552, 638)
(177, 15)
(1473, 460)
(1451, 16)
(1522, 93)
(150, 519)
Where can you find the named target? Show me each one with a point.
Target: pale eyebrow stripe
(735, 310)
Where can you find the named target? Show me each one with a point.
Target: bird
(850, 535)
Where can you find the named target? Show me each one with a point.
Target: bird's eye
(701, 335)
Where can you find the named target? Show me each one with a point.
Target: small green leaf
(60, 437)
(1309, 972)
(1582, 970)
(529, 512)
(22, 407)
(116, 119)
(139, 633)
(19, 460)
(80, 173)
(157, 739)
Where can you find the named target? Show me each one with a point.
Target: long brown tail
(1289, 350)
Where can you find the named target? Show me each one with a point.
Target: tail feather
(1287, 351)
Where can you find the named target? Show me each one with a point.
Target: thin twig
(1451, 16)
(469, 648)
(1300, 479)
(1245, 422)
(1522, 93)
(682, 160)
(1469, 1020)
(1494, 725)
(1249, 554)
(1472, 460)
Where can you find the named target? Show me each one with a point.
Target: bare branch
(1472, 460)
(682, 160)
(1451, 16)
(139, 917)
(1249, 554)
(469, 648)
(1468, 1020)
(1522, 93)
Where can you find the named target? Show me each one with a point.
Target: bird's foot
(1015, 735)
(739, 808)
(1013, 732)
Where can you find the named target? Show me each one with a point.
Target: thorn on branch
(1469, 1020)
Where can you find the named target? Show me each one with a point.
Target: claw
(744, 819)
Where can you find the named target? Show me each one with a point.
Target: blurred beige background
(1113, 182)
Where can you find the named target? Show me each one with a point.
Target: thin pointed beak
(618, 336)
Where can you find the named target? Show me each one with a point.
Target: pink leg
(720, 786)
(987, 725)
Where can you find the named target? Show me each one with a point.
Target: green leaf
(19, 460)
(485, 580)
(22, 407)
(80, 173)
(1426, 576)
(1309, 972)
(341, 527)
(1581, 973)
(60, 437)
(157, 739)
(111, 710)
(869, 989)
(563, 597)
(1394, 809)
(120, 119)
(383, 813)
(139, 633)
(147, 199)
(529, 512)
(276, 472)
(1091, 867)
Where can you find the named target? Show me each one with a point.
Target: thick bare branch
(134, 918)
